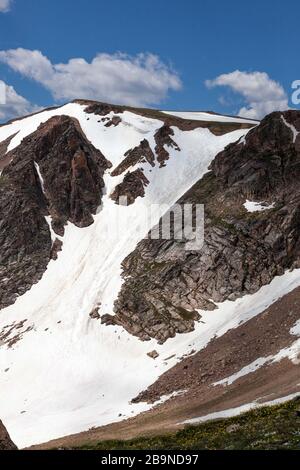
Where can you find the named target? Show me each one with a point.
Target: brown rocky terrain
(132, 186)
(4, 158)
(139, 154)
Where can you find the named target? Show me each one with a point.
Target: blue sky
(150, 53)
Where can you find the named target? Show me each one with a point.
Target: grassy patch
(276, 427)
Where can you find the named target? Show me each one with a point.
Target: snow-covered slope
(202, 116)
(69, 372)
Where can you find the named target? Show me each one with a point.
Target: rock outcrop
(165, 284)
(163, 138)
(5, 440)
(266, 161)
(140, 154)
(132, 186)
(4, 157)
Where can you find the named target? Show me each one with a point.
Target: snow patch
(240, 409)
(242, 140)
(290, 126)
(40, 176)
(54, 236)
(244, 371)
(291, 352)
(252, 206)
(165, 398)
(295, 330)
(210, 117)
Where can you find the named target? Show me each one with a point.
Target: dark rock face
(56, 248)
(4, 158)
(217, 128)
(132, 186)
(55, 171)
(94, 315)
(5, 441)
(25, 241)
(163, 137)
(70, 166)
(114, 121)
(101, 109)
(140, 154)
(165, 284)
(268, 160)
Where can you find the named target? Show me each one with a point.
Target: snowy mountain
(99, 323)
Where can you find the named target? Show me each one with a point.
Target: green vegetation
(3, 180)
(270, 428)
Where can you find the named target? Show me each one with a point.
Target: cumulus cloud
(140, 80)
(5, 5)
(12, 104)
(262, 95)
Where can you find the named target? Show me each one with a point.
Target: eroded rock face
(114, 121)
(140, 154)
(163, 138)
(25, 240)
(55, 171)
(5, 441)
(267, 161)
(101, 109)
(132, 187)
(4, 158)
(70, 166)
(165, 284)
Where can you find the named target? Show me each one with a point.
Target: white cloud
(140, 81)
(13, 105)
(261, 94)
(5, 5)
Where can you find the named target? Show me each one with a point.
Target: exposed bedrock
(135, 181)
(140, 154)
(163, 138)
(132, 186)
